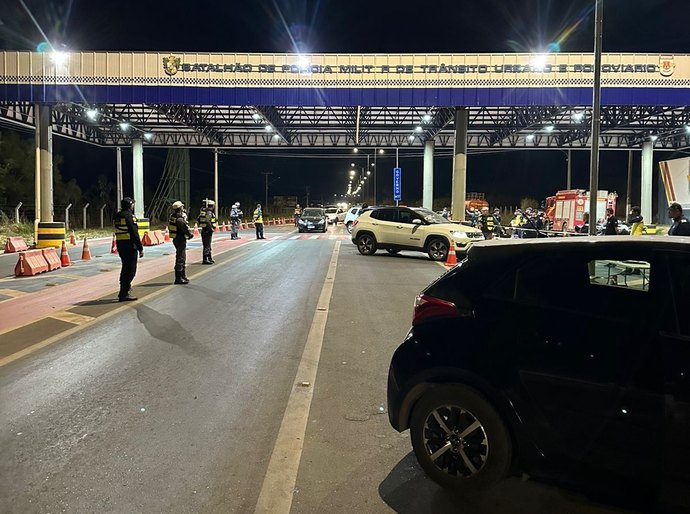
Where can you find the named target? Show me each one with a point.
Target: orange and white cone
(113, 246)
(166, 237)
(452, 259)
(86, 252)
(72, 239)
(64, 256)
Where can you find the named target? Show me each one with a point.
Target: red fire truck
(565, 211)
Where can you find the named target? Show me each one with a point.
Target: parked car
(567, 359)
(333, 214)
(410, 228)
(313, 219)
(352, 214)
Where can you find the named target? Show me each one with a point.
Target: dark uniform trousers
(206, 236)
(129, 256)
(180, 244)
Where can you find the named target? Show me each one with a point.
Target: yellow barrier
(50, 234)
(144, 226)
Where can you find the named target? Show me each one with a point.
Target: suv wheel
(459, 439)
(437, 249)
(366, 244)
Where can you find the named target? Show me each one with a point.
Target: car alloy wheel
(366, 244)
(348, 226)
(459, 439)
(438, 250)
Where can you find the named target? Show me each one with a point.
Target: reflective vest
(258, 216)
(207, 218)
(120, 224)
(488, 223)
(298, 211)
(172, 226)
(637, 229)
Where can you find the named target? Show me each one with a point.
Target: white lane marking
(276, 492)
(315, 237)
(72, 317)
(295, 237)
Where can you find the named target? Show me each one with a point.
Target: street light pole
(596, 114)
(266, 175)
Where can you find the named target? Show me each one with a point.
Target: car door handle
(375, 224)
(399, 226)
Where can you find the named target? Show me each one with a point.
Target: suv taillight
(427, 307)
(354, 223)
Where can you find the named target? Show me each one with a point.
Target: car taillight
(354, 223)
(427, 307)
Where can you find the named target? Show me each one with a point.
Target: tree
(528, 202)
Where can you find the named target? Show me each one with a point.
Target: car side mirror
(417, 221)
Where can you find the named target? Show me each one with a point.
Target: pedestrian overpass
(283, 101)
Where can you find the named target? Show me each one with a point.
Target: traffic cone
(452, 258)
(166, 237)
(72, 239)
(113, 246)
(196, 231)
(64, 256)
(86, 253)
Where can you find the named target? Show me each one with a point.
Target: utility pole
(266, 174)
(307, 188)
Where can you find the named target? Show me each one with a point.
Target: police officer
(179, 233)
(636, 222)
(298, 213)
(258, 219)
(487, 223)
(207, 223)
(129, 247)
(235, 220)
(681, 226)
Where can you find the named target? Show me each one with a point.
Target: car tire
(392, 251)
(300, 230)
(473, 462)
(348, 226)
(437, 249)
(366, 244)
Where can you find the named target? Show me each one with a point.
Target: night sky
(372, 26)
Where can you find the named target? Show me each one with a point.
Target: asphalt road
(175, 404)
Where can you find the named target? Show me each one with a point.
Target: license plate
(310, 226)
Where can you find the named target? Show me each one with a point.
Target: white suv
(404, 228)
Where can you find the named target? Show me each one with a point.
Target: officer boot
(125, 295)
(179, 278)
(210, 257)
(185, 280)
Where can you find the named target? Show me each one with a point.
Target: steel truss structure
(282, 127)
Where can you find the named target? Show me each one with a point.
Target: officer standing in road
(207, 223)
(235, 220)
(129, 247)
(298, 213)
(487, 223)
(179, 233)
(681, 225)
(258, 219)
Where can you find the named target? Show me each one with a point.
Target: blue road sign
(397, 184)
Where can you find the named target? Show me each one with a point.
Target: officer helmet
(209, 203)
(126, 203)
(177, 205)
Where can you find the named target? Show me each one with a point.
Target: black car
(567, 359)
(313, 219)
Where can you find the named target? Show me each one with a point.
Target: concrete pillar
(460, 164)
(46, 163)
(428, 177)
(646, 189)
(138, 177)
(37, 172)
(120, 193)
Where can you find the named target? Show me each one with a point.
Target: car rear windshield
(331, 211)
(312, 212)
